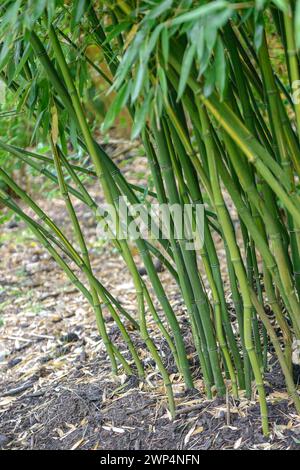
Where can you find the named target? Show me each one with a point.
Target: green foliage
(5, 217)
(14, 126)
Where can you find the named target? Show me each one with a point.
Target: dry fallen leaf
(189, 434)
(198, 430)
(238, 443)
(7, 401)
(59, 432)
(114, 429)
(77, 444)
(279, 395)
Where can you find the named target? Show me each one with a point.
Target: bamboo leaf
(210, 81)
(23, 60)
(220, 68)
(37, 125)
(78, 11)
(165, 44)
(54, 124)
(115, 30)
(73, 133)
(128, 59)
(163, 81)
(11, 15)
(140, 117)
(204, 10)
(281, 4)
(159, 9)
(6, 50)
(186, 68)
(259, 31)
(138, 82)
(116, 106)
(210, 34)
(10, 70)
(153, 41)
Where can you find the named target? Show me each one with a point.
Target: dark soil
(100, 415)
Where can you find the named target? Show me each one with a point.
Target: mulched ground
(56, 388)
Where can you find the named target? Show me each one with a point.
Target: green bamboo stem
(41, 53)
(182, 133)
(212, 251)
(200, 297)
(289, 133)
(284, 365)
(255, 153)
(82, 194)
(76, 168)
(238, 266)
(272, 93)
(102, 175)
(183, 193)
(114, 171)
(40, 213)
(73, 278)
(160, 324)
(250, 126)
(292, 55)
(211, 265)
(238, 305)
(246, 217)
(277, 268)
(196, 324)
(108, 296)
(76, 258)
(8, 201)
(86, 259)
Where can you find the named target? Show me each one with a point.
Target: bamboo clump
(217, 123)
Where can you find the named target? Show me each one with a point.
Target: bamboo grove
(219, 120)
